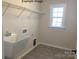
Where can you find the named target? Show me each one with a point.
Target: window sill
(63, 28)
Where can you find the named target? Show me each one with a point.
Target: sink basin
(11, 39)
(14, 38)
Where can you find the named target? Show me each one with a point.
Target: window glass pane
(60, 14)
(59, 20)
(55, 15)
(61, 9)
(55, 10)
(59, 24)
(54, 20)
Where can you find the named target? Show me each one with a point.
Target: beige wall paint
(66, 37)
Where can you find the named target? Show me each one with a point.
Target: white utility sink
(11, 39)
(14, 44)
(14, 38)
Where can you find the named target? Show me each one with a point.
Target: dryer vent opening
(34, 42)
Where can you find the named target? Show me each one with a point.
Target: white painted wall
(65, 38)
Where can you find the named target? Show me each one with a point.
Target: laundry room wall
(65, 38)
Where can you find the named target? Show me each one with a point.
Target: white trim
(19, 57)
(55, 46)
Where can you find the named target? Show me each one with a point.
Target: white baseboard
(19, 57)
(55, 46)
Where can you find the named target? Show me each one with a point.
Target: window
(57, 16)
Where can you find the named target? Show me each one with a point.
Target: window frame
(63, 19)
